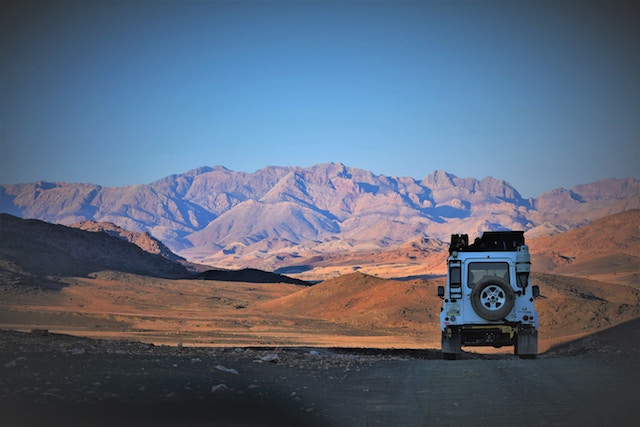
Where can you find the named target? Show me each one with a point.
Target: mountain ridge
(218, 216)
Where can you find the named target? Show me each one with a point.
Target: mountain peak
(439, 178)
(499, 188)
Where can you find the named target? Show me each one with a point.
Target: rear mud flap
(527, 343)
(451, 342)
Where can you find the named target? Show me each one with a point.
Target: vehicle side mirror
(441, 291)
(536, 291)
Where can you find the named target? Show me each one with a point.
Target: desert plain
(357, 346)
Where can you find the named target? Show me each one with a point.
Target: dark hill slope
(39, 248)
(143, 240)
(250, 275)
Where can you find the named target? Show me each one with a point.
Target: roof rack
(490, 241)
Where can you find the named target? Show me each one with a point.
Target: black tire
(528, 356)
(492, 298)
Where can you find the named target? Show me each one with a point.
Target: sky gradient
(541, 94)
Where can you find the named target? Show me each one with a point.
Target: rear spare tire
(492, 298)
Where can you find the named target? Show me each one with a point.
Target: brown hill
(574, 306)
(363, 300)
(608, 249)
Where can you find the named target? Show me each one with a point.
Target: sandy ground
(194, 312)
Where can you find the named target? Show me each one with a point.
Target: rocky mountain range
(218, 216)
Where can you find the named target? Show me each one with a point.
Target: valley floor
(378, 314)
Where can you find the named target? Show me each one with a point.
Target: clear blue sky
(542, 94)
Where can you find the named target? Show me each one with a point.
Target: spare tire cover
(492, 298)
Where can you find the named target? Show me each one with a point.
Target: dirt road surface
(59, 380)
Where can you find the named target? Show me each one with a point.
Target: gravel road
(59, 380)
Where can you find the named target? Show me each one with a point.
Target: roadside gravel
(61, 380)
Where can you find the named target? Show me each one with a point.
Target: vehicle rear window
(482, 270)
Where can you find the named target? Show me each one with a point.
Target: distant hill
(34, 247)
(267, 218)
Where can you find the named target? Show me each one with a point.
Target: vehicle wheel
(492, 298)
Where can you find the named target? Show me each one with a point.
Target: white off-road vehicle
(488, 300)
